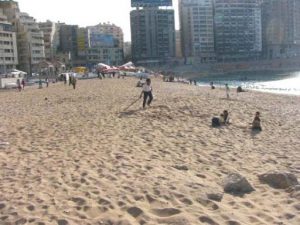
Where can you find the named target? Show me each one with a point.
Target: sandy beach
(84, 157)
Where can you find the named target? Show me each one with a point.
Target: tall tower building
(31, 47)
(109, 29)
(68, 41)
(238, 29)
(51, 38)
(152, 32)
(8, 45)
(197, 29)
(281, 28)
(30, 39)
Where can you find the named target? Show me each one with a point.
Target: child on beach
(256, 122)
(147, 91)
(227, 90)
(223, 119)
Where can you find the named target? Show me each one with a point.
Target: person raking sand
(147, 92)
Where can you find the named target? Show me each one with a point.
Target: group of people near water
(223, 119)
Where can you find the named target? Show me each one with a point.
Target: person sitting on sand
(223, 119)
(147, 91)
(256, 122)
(212, 85)
(240, 89)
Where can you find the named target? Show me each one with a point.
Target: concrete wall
(5, 81)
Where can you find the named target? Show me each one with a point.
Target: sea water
(274, 82)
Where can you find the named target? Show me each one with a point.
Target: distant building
(8, 45)
(105, 44)
(152, 35)
(82, 46)
(68, 41)
(238, 30)
(51, 38)
(127, 51)
(178, 44)
(281, 28)
(109, 29)
(197, 29)
(31, 48)
(30, 39)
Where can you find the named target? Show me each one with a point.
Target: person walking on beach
(147, 92)
(47, 82)
(74, 80)
(227, 90)
(19, 85)
(23, 84)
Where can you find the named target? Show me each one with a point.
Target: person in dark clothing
(256, 122)
(147, 92)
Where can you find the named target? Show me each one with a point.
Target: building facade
(51, 38)
(238, 29)
(105, 44)
(152, 35)
(178, 44)
(109, 29)
(68, 44)
(281, 28)
(31, 49)
(8, 45)
(197, 29)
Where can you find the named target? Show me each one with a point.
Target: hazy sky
(83, 13)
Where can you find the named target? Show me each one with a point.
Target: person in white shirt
(147, 91)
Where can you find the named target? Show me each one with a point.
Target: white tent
(18, 72)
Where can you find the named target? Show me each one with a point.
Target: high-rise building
(30, 39)
(281, 28)
(68, 41)
(51, 38)
(31, 48)
(197, 29)
(152, 32)
(109, 29)
(178, 44)
(238, 29)
(8, 45)
(106, 44)
(82, 46)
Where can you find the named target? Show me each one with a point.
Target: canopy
(18, 72)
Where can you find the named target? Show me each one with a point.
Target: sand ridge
(83, 157)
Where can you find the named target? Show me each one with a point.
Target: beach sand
(84, 157)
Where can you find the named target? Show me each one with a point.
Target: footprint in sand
(2, 206)
(232, 222)
(31, 207)
(208, 204)
(79, 201)
(165, 212)
(135, 211)
(207, 220)
(62, 222)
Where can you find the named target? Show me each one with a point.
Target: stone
(237, 184)
(279, 180)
